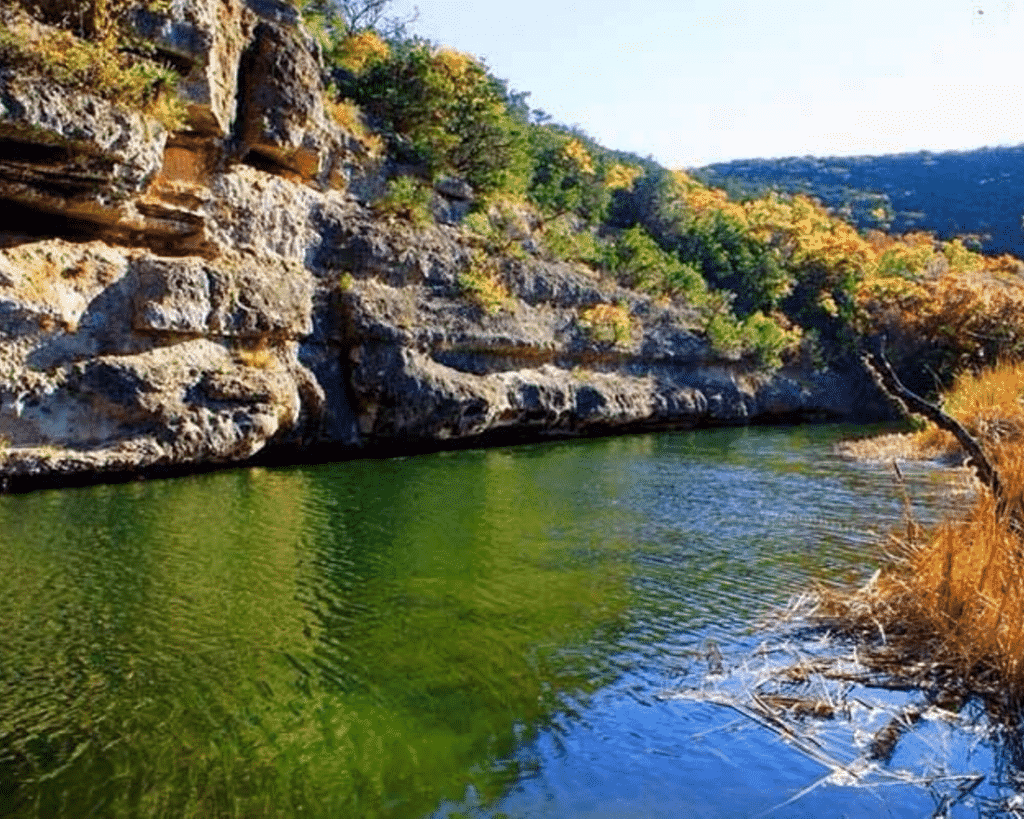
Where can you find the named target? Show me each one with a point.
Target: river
(485, 633)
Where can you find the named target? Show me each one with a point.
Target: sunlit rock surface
(169, 301)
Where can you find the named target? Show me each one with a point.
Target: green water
(388, 638)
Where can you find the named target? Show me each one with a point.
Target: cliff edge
(175, 298)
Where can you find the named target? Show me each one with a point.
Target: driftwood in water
(910, 402)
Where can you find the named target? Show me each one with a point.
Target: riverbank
(127, 363)
(177, 296)
(987, 403)
(48, 467)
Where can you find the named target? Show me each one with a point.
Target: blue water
(512, 632)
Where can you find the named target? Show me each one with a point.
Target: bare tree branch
(910, 402)
(360, 15)
(344, 17)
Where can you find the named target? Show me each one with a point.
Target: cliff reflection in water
(355, 640)
(479, 630)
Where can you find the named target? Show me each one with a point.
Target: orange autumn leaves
(938, 290)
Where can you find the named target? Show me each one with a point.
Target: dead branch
(911, 403)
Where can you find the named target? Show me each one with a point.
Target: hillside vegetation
(978, 193)
(772, 277)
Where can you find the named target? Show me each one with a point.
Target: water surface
(475, 633)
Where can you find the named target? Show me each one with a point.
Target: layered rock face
(170, 300)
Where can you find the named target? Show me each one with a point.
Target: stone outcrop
(76, 156)
(170, 301)
(204, 40)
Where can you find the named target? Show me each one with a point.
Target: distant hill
(979, 192)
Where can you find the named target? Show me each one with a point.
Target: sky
(691, 82)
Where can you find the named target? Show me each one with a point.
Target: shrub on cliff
(607, 323)
(565, 177)
(406, 198)
(503, 227)
(765, 341)
(481, 283)
(439, 109)
(96, 65)
(564, 239)
(639, 262)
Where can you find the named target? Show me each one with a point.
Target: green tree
(569, 175)
(731, 258)
(639, 262)
(442, 110)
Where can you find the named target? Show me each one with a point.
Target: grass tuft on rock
(94, 67)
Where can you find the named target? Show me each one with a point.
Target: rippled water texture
(473, 633)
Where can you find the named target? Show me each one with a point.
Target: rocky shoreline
(174, 302)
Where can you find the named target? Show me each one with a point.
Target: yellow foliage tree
(577, 155)
(621, 177)
(356, 51)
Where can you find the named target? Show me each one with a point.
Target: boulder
(196, 400)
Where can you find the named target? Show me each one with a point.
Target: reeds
(988, 404)
(948, 611)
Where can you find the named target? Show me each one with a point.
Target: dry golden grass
(899, 446)
(988, 404)
(349, 116)
(258, 354)
(949, 608)
(997, 389)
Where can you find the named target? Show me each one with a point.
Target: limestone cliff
(171, 300)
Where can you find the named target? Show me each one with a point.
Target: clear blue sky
(698, 81)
